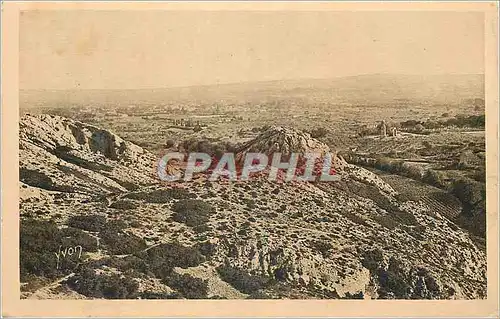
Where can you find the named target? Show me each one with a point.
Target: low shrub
(386, 221)
(33, 283)
(395, 281)
(412, 170)
(358, 295)
(212, 148)
(318, 132)
(180, 193)
(473, 121)
(163, 258)
(405, 218)
(87, 282)
(251, 203)
(387, 164)
(391, 282)
(410, 124)
(159, 295)
(188, 286)
(324, 247)
(116, 225)
(468, 191)
(94, 223)
(127, 263)
(120, 243)
(372, 192)
(372, 259)
(207, 248)
(192, 212)
(472, 195)
(434, 178)
(41, 240)
(125, 184)
(479, 175)
(203, 228)
(74, 236)
(356, 218)
(419, 128)
(367, 131)
(242, 280)
(124, 205)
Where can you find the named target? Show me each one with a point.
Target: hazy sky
(127, 49)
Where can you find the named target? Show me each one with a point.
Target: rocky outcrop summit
(354, 238)
(285, 140)
(277, 139)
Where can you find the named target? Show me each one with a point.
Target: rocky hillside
(84, 189)
(57, 154)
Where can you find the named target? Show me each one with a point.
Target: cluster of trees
(472, 194)
(212, 148)
(242, 280)
(462, 121)
(472, 121)
(318, 132)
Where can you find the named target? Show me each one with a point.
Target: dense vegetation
(192, 212)
(110, 286)
(242, 280)
(472, 195)
(41, 240)
(94, 223)
(188, 286)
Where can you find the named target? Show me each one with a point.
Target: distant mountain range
(361, 89)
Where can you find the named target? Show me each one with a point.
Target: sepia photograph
(268, 154)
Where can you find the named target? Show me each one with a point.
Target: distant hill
(362, 89)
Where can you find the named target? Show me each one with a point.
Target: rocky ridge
(285, 140)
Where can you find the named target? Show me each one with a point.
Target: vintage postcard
(260, 159)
